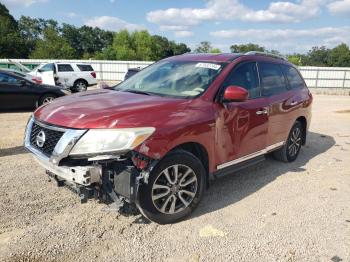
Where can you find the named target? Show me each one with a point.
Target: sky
(286, 26)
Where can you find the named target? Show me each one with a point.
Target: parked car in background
(131, 72)
(76, 76)
(157, 138)
(27, 76)
(18, 91)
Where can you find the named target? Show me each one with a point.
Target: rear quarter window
(272, 79)
(85, 67)
(294, 79)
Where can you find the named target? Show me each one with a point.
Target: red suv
(158, 138)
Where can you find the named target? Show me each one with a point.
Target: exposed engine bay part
(114, 181)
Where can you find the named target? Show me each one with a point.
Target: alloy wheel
(48, 100)
(294, 142)
(174, 189)
(81, 86)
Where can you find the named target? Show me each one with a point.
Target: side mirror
(235, 94)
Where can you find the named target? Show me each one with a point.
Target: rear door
(66, 74)
(241, 126)
(280, 97)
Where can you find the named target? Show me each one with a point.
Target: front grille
(51, 138)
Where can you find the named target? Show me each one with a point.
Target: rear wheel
(290, 151)
(80, 85)
(174, 189)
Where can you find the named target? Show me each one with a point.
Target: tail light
(93, 74)
(37, 80)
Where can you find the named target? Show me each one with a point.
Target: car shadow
(18, 150)
(230, 189)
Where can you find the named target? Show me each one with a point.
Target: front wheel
(290, 151)
(174, 189)
(46, 99)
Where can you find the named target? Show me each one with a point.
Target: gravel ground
(269, 212)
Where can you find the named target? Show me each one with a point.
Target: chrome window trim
(250, 156)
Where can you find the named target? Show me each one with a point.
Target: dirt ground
(270, 212)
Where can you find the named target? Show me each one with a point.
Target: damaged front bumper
(112, 178)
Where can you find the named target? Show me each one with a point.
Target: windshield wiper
(136, 92)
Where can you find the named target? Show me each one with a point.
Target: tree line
(317, 56)
(47, 39)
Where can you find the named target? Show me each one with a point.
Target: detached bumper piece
(85, 193)
(114, 182)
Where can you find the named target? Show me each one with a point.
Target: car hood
(111, 109)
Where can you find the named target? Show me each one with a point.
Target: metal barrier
(326, 77)
(315, 77)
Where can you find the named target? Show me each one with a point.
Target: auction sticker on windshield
(209, 66)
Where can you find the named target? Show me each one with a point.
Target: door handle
(262, 111)
(293, 103)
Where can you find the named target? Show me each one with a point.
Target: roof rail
(266, 54)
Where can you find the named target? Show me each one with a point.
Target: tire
(163, 199)
(290, 151)
(80, 85)
(46, 99)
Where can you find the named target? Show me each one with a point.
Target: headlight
(107, 141)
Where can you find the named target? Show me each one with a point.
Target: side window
(245, 75)
(64, 68)
(272, 79)
(47, 68)
(294, 79)
(8, 79)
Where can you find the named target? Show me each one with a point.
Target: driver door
(241, 126)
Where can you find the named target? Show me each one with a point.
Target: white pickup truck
(75, 76)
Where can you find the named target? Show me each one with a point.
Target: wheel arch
(200, 152)
(81, 79)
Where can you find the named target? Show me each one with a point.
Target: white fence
(326, 77)
(320, 77)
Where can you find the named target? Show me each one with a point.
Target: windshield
(173, 78)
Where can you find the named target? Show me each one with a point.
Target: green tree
(32, 29)
(86, 40)
(142, 42)
(161, 47)
(179, 49)
(11, 43)
(317, 56)
(52, 46)
(215, 51)
(204, 47)
(295, 59)
(243, 48)
(339, 56)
